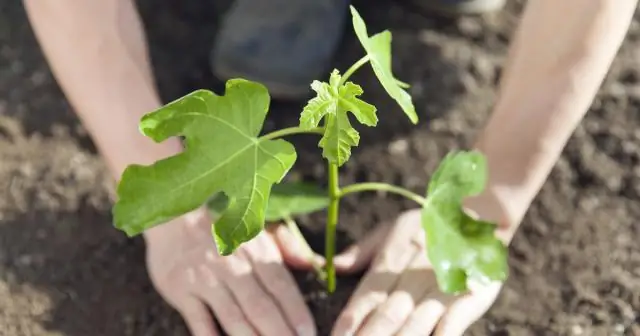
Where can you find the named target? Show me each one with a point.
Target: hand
(399, 294)
(250, 292)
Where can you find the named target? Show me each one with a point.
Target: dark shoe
(460, 7)
(283, 44)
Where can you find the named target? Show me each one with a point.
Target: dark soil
(64, 270)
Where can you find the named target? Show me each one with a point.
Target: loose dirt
(64, 270)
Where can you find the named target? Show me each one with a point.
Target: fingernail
(345, 259)
(241, 330)
(305, 330)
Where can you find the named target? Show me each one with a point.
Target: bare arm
(97, 51)
(98, 54)
(558, 60)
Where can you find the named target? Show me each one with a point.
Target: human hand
(399, 294)
(250, 292)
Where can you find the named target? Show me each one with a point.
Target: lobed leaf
(332, 103)
(287, 200)
(223, 154)
(378, 48)
(460, 247)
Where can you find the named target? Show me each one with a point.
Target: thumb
(294, 252)
(358, 256)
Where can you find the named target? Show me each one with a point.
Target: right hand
(250, 292)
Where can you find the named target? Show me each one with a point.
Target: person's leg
(283, 44)
(286, 44)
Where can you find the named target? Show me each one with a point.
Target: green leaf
(293, 199)
(223, 154)
(287, 200)
(332, 103)
(460, 247)
(378, 48)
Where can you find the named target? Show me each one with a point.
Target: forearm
(97, 52)
(560, 55)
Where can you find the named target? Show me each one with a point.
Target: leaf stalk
(354, 68)
(291, 131)
(295, 230)
(378, 186)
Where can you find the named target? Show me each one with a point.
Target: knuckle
(261, 306)
(280, 285)
(231, 317)
(390, 316)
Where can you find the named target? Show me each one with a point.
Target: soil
(64, 269)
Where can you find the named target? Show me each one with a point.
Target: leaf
(378, 48)
(460, 247)
(293, 199)
(332, 103)
(287, 200)
(223, 154)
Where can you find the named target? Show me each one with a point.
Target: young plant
(228, 158)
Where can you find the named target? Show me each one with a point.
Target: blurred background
(64, 269)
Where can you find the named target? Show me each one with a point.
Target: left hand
(399, 294)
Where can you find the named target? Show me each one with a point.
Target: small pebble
(470, 27)
(577, 330)
(619, 328)
(398, 147)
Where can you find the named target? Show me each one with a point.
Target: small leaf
(223, 154)
(287, 200)
(378, 48)
(460, 247)
(332, 103)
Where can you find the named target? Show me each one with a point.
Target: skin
(560, 55)
(97, 51)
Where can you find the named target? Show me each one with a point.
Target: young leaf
(287, 200)
(460, 247)
(223, 154)
(378, 48)
(332, 103)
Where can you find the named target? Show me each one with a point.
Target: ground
(575, 262)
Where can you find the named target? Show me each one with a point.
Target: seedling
(226, 157)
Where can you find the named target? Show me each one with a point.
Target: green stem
(375, 186)
(332, 223)
(295, 230)
(290, 131)
(354, 68)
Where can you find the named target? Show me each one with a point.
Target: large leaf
(332, 103)
(287, 200)
(378, 48)
(223, 154)
(460, 247)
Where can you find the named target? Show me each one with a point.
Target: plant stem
(354, 68)
(295, 230)
(332, 223)
(290, 131)
(376, 186)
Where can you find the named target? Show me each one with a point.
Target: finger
(412, 286)
(292, 251)
(423, 319)
(197, 317)
(358, 256)
(267, 264)
(258, 306)
(381, 278)
(217, 296)
(466, 310)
